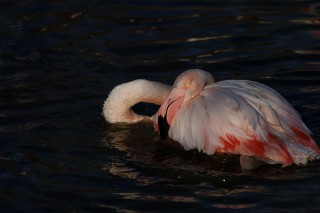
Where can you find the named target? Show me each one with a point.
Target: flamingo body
(234, 116)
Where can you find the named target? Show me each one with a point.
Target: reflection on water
(143, 151)
(59, 60)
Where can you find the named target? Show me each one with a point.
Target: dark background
(60, 59)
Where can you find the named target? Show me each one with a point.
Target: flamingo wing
(247, 118)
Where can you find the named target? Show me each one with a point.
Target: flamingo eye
(187, 84)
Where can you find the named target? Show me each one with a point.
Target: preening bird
(232, 116)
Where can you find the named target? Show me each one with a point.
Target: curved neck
(117, 107)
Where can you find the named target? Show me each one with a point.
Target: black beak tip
(163, 127)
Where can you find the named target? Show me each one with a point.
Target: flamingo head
(187, 86)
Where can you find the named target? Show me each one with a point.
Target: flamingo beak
(168, 110)
(163, 127)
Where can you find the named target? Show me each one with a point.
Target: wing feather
(243, 117)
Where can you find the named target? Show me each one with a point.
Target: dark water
(60, 59)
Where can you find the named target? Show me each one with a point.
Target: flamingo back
(247, 118)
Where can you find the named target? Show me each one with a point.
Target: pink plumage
(233, 116)
(236, 116)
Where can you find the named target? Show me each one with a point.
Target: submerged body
(233, 116)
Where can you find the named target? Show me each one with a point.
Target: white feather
(117, 107)
(247, 110)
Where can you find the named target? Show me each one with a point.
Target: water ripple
(59, 60)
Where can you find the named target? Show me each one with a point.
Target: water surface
(60, 59)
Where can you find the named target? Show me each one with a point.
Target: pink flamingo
(233, 116)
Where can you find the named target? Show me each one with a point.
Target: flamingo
(239, 117)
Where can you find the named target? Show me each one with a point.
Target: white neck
(117, 107)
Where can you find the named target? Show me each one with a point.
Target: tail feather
(303, 148)
(304, 139)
